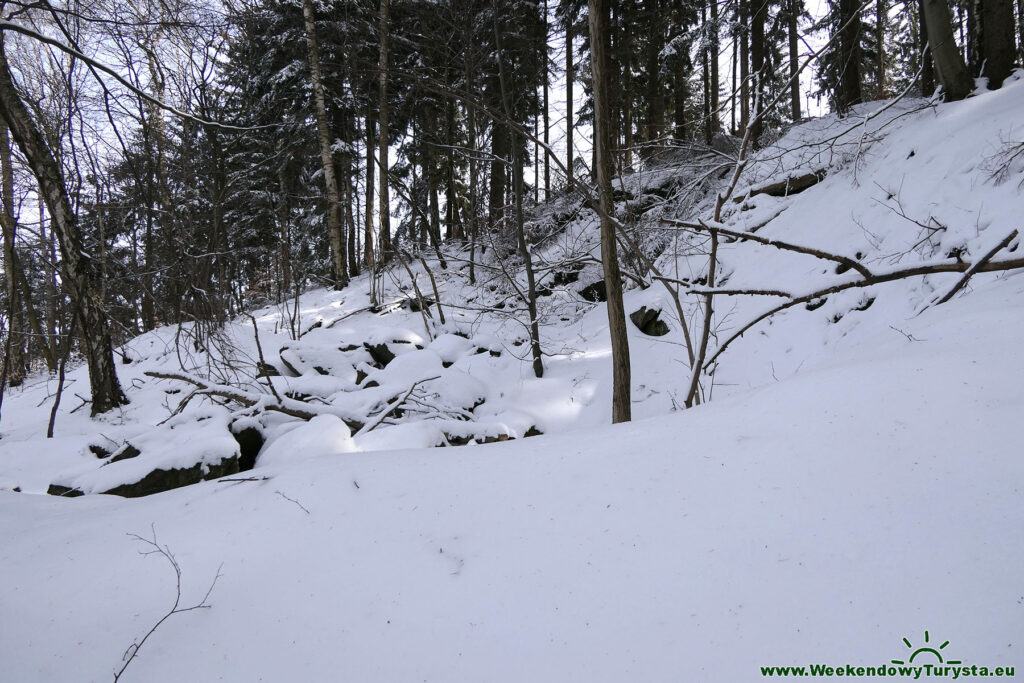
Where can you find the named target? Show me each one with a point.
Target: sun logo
(926, 649)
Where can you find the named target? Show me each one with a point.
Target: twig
(303, 507)
(974, 269)
(778, 244)
(164, 551)
(927, 269)
(373, 424)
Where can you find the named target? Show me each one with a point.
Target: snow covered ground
(858, 478)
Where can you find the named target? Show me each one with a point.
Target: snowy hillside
(854, 475)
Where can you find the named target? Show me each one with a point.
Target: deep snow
(857, 479)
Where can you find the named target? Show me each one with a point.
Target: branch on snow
(778, 244)
(983, 265)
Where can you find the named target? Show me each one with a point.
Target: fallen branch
(785, 187)
(962, 282)
(389, 408)
(724, 292)
(778, 244)
(347, 315)
(164, 551)
(285, 405)
(879, 278)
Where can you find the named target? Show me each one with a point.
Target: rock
(566, 277)
(125, 452)
(164, 480)
(380, 353)
(99, 451)
(250, 441)
(647, 320)
(413, 303)
(65, 491)
(264, 369)
(594, 292)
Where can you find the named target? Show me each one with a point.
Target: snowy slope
(857, 479)
(819, 519)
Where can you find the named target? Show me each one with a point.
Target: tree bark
(794, 59)
(716, 124)
(517, 191)
(925, 53)
(546, 112)
(849, 90)
(949, 63)
(758, 54)
(881, 19)
(382, 158)
(598, 20)
(78, 269)
(335, 229)
(15, 358)
(655, 96)
(371, 139)
(568, 99)
(997, 40)
(743, 10)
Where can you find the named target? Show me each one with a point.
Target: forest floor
(856, 479)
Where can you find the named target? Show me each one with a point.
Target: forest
(173, 162)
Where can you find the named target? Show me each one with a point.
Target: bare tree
(598, 20)
(335, 231)
(79, 271)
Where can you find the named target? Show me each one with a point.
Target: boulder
(595, 292)
(648, 321)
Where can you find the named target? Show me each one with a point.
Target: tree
(382, 160)
(334, 214)
(949, 64)
(598, 22)
(997, 40)
(850, 56)
(79, 270)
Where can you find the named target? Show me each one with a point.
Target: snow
(856, 479)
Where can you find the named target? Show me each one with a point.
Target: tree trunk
(997, 40)
(949, 63)
(78, 270)
(849, 91)
(598, 19)
(758, 54)
(382, 158)
(743, 9)
(335, 230)
(794, 59)
(569, 124)
(713, 47)
(285, 238)
(517, 191)
(474, 212)
(15, 358)
(499, 154)
(924, 52)
(881, 19)
(705, 75)
(371, 139)
(546, 111)
(655, 96)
